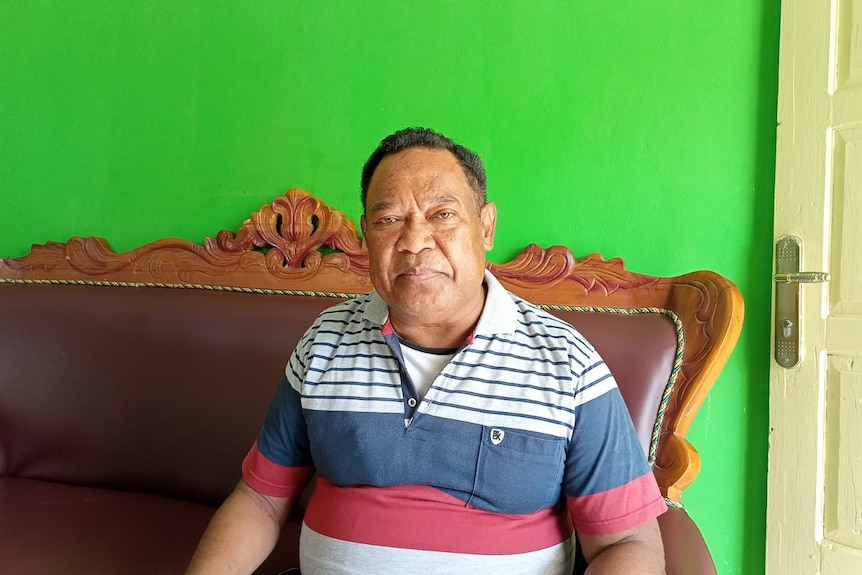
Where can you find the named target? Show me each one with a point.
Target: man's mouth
(417, 273)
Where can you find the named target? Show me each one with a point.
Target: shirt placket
(410, 397)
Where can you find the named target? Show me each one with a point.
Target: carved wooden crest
(276, 247)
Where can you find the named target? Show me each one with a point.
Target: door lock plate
(786, 303)
(787, 279)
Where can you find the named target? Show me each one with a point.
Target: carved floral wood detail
(535, 266)
(280, 242)
(279, 248)
(293, 228)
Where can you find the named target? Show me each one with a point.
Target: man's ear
(362, 224)
(488, 219)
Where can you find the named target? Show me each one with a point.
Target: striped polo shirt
(522, 435)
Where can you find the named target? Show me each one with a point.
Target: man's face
(426, 237)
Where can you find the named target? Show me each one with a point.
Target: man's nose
(416, 235)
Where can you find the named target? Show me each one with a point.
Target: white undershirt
(424, 365)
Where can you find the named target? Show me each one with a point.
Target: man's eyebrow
(380, 206)
(437, 200)
(446, 199)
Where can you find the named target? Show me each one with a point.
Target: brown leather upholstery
(159, 390)
(125, 410)
(153, 394)
(54, 528)
(640, 349)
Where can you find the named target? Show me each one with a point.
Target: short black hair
(401, 140)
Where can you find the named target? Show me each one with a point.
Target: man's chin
(419, 304)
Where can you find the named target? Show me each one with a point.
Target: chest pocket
(518, 472)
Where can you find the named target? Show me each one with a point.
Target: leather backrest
(156, 389)
(640, 350)
(164, 390)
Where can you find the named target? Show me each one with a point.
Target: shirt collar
(499, 314)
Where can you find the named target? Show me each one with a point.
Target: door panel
(814, 502)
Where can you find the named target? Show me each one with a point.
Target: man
(455, 427)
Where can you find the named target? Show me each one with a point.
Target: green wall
(641, 129)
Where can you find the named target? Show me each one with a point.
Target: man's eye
(387, 220)
(446, 215)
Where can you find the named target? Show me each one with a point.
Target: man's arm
(637, 551)
(241, 534)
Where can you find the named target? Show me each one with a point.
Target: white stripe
(595, 391)
(322, 555)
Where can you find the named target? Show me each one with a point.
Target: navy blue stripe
(338, 312)
(295, 374)
(385, 356)
(354, 369)
(347, 382)
(353, 397)
(338, 332)
(532, 349)
(593, 366)
(498, 339)
(505, 413)
(518, 357)
(518, 400)
(354, 356)
(340, 317)
(580, 364)
(559, 392)
(548, 322)
(595, 383)
(571, 338)
(515, 370)
(341, 344)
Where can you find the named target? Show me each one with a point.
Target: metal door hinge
(787, 279)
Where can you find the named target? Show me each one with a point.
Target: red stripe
(621, 508)
(273, 479)
(425, 518)
(387, 328)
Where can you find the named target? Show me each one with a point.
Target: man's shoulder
(542, 316)
(337, 316)
(348, 307)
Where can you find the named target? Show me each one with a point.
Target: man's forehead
(416, 169)
(419, 156)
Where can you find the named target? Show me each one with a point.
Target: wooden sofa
(132, 384)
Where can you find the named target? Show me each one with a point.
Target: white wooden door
(814, 504)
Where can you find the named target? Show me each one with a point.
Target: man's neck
(435, 337)
(447, 333)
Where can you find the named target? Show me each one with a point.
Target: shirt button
(411, 402)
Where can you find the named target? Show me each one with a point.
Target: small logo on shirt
(497, 436)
